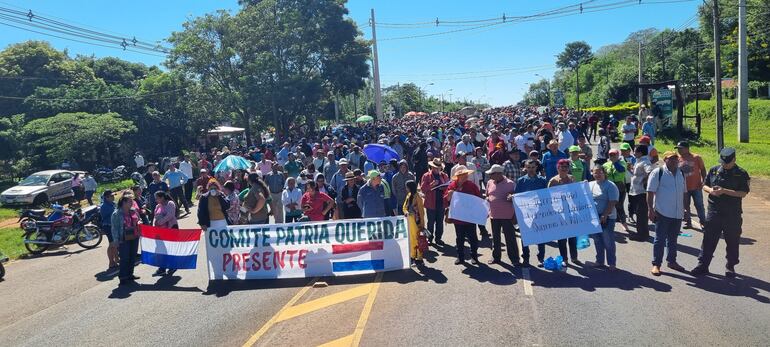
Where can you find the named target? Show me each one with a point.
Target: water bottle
(583, 242)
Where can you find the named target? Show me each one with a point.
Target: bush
(624, 107)
(758, 109)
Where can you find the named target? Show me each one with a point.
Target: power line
(476, 72)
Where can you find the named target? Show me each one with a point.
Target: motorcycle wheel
(89, 236)
(36, 248)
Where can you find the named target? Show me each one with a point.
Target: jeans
(435, 223)
(90, 197)
(605, 244)
(127, 251)
(640, 211)
(468, 231)
(715, 226)
(666, 234)
(621, 198)
(511, 247)
(188, 190)
(178, 195)
(697, 198)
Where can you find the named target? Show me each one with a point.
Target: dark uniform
(724, 214)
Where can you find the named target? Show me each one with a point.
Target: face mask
(213, 192)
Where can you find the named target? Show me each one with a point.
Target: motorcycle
(41, 235)
(105, 174)
(31, 215)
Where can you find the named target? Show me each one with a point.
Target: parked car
(40, 188)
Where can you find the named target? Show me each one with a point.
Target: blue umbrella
(232, 162)
(377, 153)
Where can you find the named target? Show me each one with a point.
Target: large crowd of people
(493, 154)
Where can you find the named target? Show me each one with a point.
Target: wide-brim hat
(437, 163)
(349, 176)
(462, 170)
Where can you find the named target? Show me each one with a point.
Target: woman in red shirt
(460, 183)
(315, 205)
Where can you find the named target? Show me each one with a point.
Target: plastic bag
(550, 264)
(583, 242)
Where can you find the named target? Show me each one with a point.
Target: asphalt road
(63, 298)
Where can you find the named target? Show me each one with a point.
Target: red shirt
(468, 187)
(316, 203)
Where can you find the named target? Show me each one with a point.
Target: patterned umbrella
(232, 162)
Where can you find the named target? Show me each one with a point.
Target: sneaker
(159, 272)
(540, 264)
(655, 271)
(613, 268)
(687, 226)
(674, 266)
(699, 270)
(729, 271)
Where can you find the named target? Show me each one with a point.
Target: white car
(40, 187)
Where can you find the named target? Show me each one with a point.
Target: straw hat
(436, 162)
(462, 170)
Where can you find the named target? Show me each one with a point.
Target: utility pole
(743, 76)
(697, 88)
(641, 79)
(663, 55)
(718, 75)
(375, 62)
(577, 85)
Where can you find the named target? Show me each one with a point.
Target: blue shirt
(371, 201)
(549, 162)
(157, 187)
(526, 183)
(105, 212)
(175, 178)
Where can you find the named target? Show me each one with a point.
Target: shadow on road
(740, 286)
(62, 251)
(164, 284)
(591, 279)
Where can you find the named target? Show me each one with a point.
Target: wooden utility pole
(743, 75)
(641, 78)
(718, 75)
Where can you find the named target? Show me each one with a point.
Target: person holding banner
(432, 184)
(212, 208)
(563, 177)
(348, 195)
(290, 198)
(500, 191)
(414, 210)
(125, 234)
(532, 181)
(371, 197)
(606, 196)
(463, 230)
(165, 217)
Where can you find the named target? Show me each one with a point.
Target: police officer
(726, 185)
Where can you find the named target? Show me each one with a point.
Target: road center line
(325, 301)
(366, 311)
(254, 338)
(527, 282)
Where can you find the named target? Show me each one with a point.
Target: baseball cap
(614, 151)
(625, 146)
(574, 149)
(373, 174)
(682, 144)
(727, 155)
(497, 168)
(670, 154)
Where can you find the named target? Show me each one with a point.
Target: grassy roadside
(11, 242)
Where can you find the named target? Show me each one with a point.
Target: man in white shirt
(465, 145)
(187, 170)
(637, 196)
(139, 160)
(665, 194)
(629, 131)
(565, 138)
(290, 198)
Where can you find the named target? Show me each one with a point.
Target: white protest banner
(556, 213)
(468, 208)
(328, 248)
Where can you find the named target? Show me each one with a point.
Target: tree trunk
(577, 86)
(247, 126)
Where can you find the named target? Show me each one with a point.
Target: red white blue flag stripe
(358, 265)
(170, 248)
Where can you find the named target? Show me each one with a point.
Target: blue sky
(490, 64)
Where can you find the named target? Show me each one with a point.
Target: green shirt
(292, 168)
(577, 170)
(613, 175)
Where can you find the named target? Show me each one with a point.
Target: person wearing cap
(282, 156)
(637, 194)
(331, 166)
(462, 160)
(603, 148)
(616, 169)
(371, 196)
(463, 230)
(694, 171)
(348, 195)
(562, 177)
(587, 151)
(106, 208)
(275, 180)
(578, 167)
(666, 197)
(399, 183)
(532, 181)
(652, 153)
(629, 131)
(432, 185)
(726, 185)
(551, 157)
(499, 194)
(512, 167)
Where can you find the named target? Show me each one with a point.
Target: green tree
(575, 54)
(539, 93)
(87, 138)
